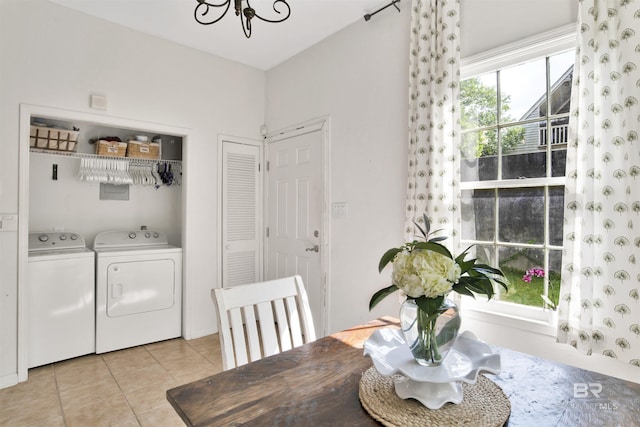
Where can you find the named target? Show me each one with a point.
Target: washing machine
(138, 289)
(61, 298)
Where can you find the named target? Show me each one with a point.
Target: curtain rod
(393, 3)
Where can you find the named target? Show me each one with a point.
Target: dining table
(317, 384)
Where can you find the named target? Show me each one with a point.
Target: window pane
(479, 159)
(478, 102)
(478, 214)
(558, 161)
(521, 217)
(561, 74)
(522, 155)
(523, 91)
(556, 215)
(483, 253)
(493, 109)
(555, 267)
(524, 268)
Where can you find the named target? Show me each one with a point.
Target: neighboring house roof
(560, 97)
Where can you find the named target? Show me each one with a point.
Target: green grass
(521, 292)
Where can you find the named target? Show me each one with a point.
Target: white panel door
(241, 214)
(294, 215)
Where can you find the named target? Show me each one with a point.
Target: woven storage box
(143, 150)
(111, 148)
(53, 139)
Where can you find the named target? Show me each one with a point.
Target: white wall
(359, 77)
(56, 57)
(74, 205)
(486, 24)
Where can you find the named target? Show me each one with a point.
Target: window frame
(545, 44)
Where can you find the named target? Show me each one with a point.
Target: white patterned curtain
(434, 77)
(599, 310)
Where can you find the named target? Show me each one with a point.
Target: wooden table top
(317, 385)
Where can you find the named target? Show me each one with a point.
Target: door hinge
(258, 167)
(267, 165)
(267, 231)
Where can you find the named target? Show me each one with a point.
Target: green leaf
(424, 233)
(466, 265)
(436, 247)
(477, 285)
(387, 258)
(427, 224)
(437, 231)
(430, 305)
(484, 268)
(505, 285)
(460, 258)
(550, 303)
(461, 289)
(438, 239)
(380, 295)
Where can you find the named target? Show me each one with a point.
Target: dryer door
(140, 286)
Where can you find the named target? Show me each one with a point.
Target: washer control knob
(156, 235)
(63, 237)
(147, 235)
(43, 238)
(73, 237)
(132, 235)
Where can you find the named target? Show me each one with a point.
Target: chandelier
(246, 13)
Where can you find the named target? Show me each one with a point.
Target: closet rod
(393, 3)
(96, 156)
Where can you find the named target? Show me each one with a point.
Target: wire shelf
(96, 156)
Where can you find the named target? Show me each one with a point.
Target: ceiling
(269, 45)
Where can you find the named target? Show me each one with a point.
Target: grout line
(202, 350)
(124, 395)
(55, 380)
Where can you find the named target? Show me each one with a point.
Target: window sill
(542, 322)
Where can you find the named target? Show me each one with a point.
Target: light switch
(8, 222)
(339, 210)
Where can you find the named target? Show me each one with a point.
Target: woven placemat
(483, 404)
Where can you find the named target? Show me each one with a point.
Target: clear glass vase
(430, 336)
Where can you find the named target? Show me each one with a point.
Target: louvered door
(241, 214)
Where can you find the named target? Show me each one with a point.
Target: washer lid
(127, 239)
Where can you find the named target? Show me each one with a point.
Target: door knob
(316, 248)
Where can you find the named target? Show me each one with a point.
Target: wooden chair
(264, 318)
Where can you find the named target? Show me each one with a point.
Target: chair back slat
(262, 319)
(282, 322)
(237, 331)
(253, 335)
(267, 329)
(294, 321)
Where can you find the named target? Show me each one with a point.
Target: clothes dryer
(61, 298)
(138, 289)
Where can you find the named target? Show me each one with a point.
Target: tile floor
(122, 388)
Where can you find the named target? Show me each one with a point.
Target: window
(514, 121)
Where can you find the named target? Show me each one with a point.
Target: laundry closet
(109, 197)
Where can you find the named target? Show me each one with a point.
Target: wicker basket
(143, 150)
(53, 139)
(111, 148)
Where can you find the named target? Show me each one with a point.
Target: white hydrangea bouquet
(426, 272)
